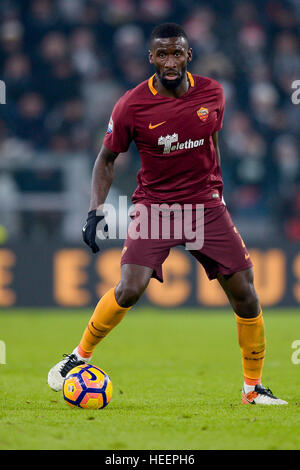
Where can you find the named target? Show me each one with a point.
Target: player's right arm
(117, 140)
(102, 178)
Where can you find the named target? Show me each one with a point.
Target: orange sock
(107, 314)
(252, 341)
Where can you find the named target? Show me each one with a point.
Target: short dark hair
(168, 30)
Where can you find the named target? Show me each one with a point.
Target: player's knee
(244, 297)
(247, 305)
(127, 295)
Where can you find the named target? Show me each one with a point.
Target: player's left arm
(216, 145)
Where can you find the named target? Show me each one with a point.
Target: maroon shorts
(223, 249)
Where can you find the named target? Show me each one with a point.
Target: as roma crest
(203, 114)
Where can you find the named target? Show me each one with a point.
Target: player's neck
(176, 93)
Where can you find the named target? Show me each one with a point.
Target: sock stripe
(252, 382)
(82, 353)
(92, 333)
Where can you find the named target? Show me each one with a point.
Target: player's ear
(150, 55)
(189, 54)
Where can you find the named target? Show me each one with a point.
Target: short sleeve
(119, 133)
(220, 109)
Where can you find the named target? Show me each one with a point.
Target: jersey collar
(154, 92)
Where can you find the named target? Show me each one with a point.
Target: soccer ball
(87, 386)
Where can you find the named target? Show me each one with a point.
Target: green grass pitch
(176, 375)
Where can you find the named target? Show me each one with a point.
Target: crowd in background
(66, 62)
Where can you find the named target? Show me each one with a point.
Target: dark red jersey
(174, 139)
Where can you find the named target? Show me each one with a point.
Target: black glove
(90, 227)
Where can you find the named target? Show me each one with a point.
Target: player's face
(170, 57)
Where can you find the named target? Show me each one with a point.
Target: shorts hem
(154, 274)
(231, 271)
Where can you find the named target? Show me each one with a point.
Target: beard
(171, 84)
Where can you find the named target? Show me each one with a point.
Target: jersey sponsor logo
(153, 126)
(110, 125)
(203, 114)
(171, 144)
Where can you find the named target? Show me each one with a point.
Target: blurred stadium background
(65, 63)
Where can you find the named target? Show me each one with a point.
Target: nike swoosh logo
(97, 329)
(156, 125)
(257, 352)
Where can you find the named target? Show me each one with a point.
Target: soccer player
(174, 118)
